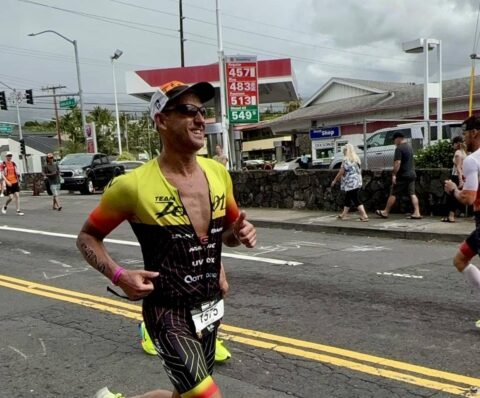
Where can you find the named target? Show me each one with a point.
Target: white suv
(380, 146)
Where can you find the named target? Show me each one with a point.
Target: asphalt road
(309, 315)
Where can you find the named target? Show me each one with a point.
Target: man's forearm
(464, 197)
(95, 254)
(396, 167)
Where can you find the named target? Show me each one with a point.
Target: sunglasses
(188, 110)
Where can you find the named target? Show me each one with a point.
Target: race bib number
(209, 313)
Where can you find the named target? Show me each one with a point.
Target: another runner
(11, 176)
(470, 194)
(181, 208)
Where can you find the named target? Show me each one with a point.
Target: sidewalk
(396, 226)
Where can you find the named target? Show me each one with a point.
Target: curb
(365, 231)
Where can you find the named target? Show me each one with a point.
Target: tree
(438, 155)
(126, 156)
(71, 124)
(104, 127)
(292, 105)
(141, 137)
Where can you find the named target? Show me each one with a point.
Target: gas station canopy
(276, 80)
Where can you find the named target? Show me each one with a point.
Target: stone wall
(310, 189)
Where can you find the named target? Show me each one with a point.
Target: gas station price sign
(242, 89)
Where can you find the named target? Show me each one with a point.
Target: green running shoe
(146, 342)
(221, 353)
(105, 393)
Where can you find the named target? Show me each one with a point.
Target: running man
(470, 194)
(11, 177)
(181, 208)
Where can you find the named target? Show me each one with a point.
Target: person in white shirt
(470, 194)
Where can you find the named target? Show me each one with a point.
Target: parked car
(129, 165)
(253, 164)
(380, 147)
(292, 164)
(86, 172)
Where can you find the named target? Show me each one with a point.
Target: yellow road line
(72, 293)
(85, 303)
(273, 341)
(357, 355)
(406, 378)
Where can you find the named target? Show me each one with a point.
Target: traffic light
(29, 96)
(23, 151)
(3, 101)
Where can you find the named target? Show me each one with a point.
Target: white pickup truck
(380, 147)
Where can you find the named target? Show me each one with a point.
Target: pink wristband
(116, 275)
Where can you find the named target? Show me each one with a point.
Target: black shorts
(12, 188)
(187, 358)
(403, 186)
(351, 198)
(471, 246)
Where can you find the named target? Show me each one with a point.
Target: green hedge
(438, 155)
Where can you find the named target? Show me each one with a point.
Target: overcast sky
(358, 39)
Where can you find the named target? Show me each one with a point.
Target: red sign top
(242, 85)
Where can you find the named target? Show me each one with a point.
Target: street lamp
(116, 55)
(223, 106)
(80, 91)
(430, 90)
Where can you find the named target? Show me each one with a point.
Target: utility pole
(180, 9)
(126, 131)
(223, 106)
(17, 97)
(57, 122)
(473, 57)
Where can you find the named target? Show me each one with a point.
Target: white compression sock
(472, 273)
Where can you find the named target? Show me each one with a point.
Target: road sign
(68, 103)
(6, 128)
(325, 133)
(242, 89)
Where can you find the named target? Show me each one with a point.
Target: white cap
(9, 154)
(157, 103)
(171, 90)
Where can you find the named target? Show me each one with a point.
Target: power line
(120, 22)
(268, 36)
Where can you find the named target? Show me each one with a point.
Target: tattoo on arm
(91, 257)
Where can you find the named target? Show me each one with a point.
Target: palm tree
(71, 124)
(104, 126)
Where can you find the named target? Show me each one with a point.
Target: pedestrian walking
(451, 204)
(350, 176)
(52, 173)
(403, 177)
(220, 156)
(11, 177)
(470, 247)
(181, 208)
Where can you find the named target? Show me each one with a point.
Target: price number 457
(241, 72)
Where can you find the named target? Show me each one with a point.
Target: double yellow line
(376, 366)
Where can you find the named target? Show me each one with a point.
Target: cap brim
(204, 90)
